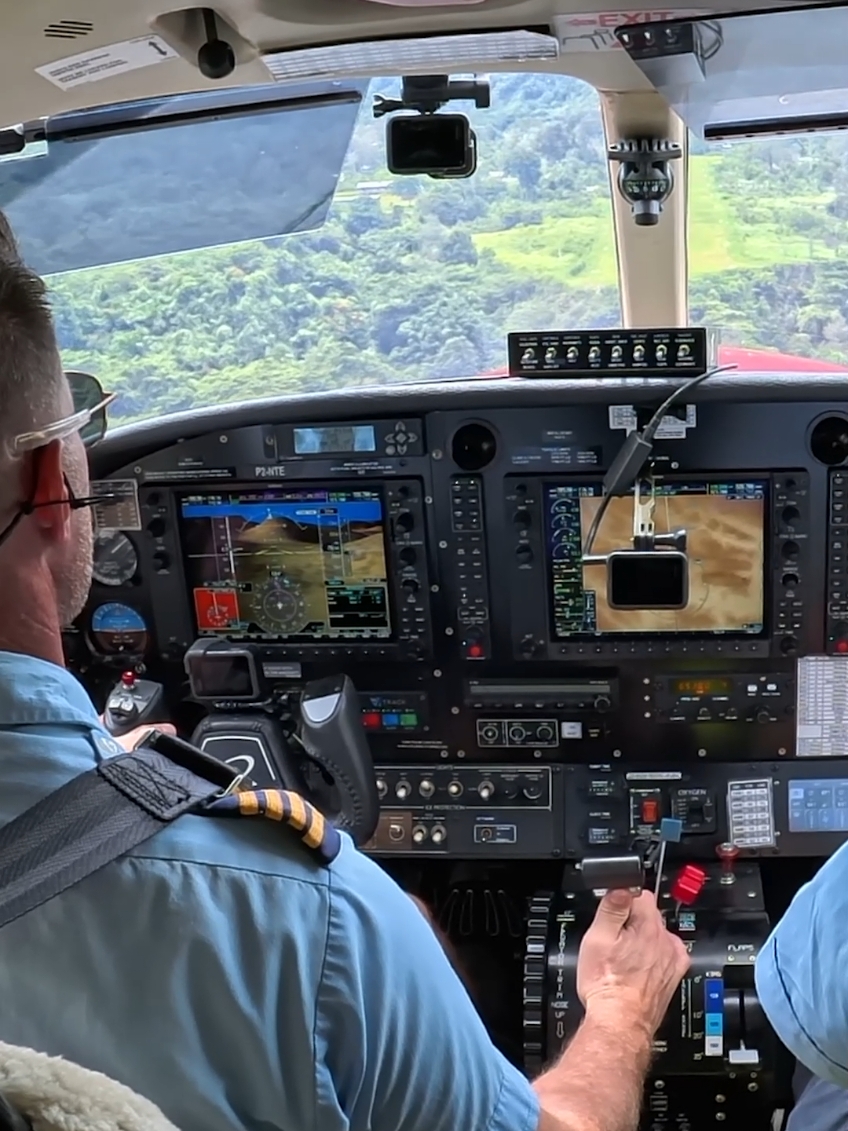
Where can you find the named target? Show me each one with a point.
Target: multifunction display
(725, 544)
(288, 564)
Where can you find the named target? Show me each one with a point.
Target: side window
(768, 237)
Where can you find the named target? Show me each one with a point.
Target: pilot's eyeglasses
(88, 417)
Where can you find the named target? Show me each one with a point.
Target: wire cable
(635, 451)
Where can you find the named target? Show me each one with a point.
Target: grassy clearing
(579, 251)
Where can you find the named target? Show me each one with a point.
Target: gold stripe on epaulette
(274, 805)
(314, 835)
(248, 803)
(298, 814)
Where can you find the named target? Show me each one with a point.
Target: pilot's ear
(47, 486)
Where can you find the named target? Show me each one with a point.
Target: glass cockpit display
(725, 525)
(287, 564)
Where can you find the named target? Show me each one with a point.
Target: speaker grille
(68, 29)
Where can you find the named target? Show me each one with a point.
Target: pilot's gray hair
(32, 387)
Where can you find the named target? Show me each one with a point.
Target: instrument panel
(435, 556)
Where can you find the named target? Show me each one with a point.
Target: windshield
(409, 278)
(413, 279)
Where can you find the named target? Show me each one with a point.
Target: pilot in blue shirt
(803, 987)
(222, 972)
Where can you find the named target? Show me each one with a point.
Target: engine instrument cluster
(526, 703)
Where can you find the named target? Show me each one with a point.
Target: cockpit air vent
(68, 29)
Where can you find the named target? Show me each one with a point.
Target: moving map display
(725, 525)
(287, 564)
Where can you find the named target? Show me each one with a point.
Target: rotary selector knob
(405, 522)
(533, 790)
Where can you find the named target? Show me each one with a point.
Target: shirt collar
(34, 691)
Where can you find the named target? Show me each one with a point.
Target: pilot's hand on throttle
(630, 965)
(134, 738)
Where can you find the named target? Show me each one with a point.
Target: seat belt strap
(99, 816)
(110, 810)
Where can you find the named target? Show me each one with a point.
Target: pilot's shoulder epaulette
(316, 832)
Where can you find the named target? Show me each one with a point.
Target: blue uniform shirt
(220, 971)
(802, 973)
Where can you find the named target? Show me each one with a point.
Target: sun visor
(749, 74)
(166, 175)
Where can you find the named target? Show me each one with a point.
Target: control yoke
(332, 735)
(329, 730)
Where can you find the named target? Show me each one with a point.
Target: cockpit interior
(481, 387)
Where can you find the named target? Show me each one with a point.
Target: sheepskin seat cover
(56, 1095)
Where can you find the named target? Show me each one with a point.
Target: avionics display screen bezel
(308, 493)
(760, 631)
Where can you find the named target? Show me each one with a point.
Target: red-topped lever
(128, 679)
(727, 854)
(687, 885)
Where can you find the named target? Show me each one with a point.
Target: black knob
(602, 703)
(789, 580)
(522, 518)
(411, 584)
(524, 554)
(533, 790)
(404, 522)
(763, 717)
(790, 551)
(161, 562)
(528, 646)
(789, 645)
(790, 514)
(407, 556)
(156, 527)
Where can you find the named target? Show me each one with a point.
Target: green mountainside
(412, 279)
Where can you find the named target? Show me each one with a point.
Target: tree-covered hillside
(412, 278)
